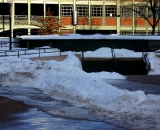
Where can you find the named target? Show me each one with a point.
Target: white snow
(95, 36)
(66, 79)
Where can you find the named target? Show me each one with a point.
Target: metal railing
(21, 51)
(145, 59)
(21, 19)
(114, 57)
(82, 58)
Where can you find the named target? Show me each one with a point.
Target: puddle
(37, 118)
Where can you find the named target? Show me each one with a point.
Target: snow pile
(155, 64)
(66, 80)
(106, 52)
(127, 53)
(94, 36)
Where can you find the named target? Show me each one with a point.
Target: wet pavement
(150, 84)
(38, 120)
(45, 113)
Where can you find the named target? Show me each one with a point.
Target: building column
(29, 16)
(147, 21)
(12, 18)
(104, 14)
(44, 8)
(118, 17)
(89, 13)
(74, 9)
(59, 13)
(133, 18)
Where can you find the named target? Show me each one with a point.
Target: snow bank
(155, 64)
(66, 80)
(94, 36)
(105, 52)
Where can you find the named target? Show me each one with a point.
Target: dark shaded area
(17, 32)
(98, 65)
(124, 66)
(37, 9)
(149, 79)
(53, 8)
(4, 9)
(20, 32)
(146, 83)
(131, 67)
(34, 32)
(8, 107)
(21, 9)
(96, 31)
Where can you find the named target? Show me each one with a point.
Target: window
(150, 14)
(126, 12)
(111, 11)
(96, 11)
(82, 10)
(66, 10)
(139, 11)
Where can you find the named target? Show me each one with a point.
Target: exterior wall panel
(140, 22)
(111, 21)
(96, 21)
(82, 21)
(66, 31)
(126, 21)
(66, 20)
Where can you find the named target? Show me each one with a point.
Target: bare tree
(147, 9)
(49, 24)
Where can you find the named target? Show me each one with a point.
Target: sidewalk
(9, 107)
(57, 58)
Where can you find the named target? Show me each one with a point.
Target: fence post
(39, 52)
(18, 54)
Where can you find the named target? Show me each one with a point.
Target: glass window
(111, 11)
(82, 10)
(66, 10)
(96, 11)
(139, 11)
(126, 12)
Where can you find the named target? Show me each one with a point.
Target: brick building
(93, 16)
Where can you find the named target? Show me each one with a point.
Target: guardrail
(145, 59)
(21, 51)
(114, 57)
(82, 58)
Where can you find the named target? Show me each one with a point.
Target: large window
(66, 10)
(150, 14)
(126, 12)
(96, 11)
(82, 10)
(139, 11)
(111, 11)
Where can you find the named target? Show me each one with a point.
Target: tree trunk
(153, 29)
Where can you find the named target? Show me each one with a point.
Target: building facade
(93, 16)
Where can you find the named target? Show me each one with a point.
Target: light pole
(10, 23)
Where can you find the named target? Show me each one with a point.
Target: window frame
(108, 10)
(95, 12)
(65, 11)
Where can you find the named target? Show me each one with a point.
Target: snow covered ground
(66, 80)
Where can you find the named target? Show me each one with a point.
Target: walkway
(57, 58)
